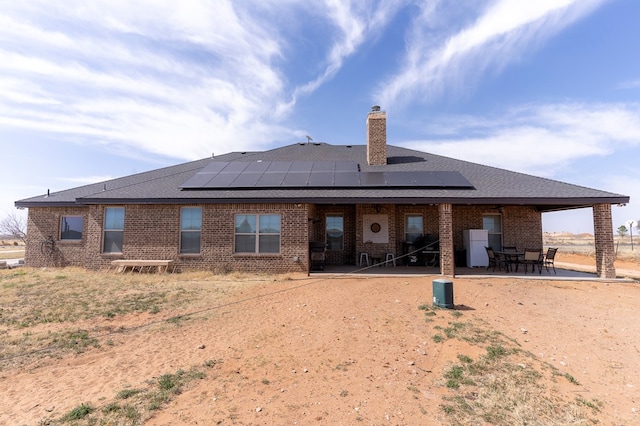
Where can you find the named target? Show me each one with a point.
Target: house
(259, 211)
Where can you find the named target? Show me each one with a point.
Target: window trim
(257, 234)
(71, 240)
(114, 230)
(199, 231)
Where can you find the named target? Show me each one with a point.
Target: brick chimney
(377, 137)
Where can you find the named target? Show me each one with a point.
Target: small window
(413, 227)
(71, 227)
(335, 232)
(113, 229)
(190, 230)
(257, 233)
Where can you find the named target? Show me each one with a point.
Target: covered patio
(564, 271)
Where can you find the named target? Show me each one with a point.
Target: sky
(96, 89)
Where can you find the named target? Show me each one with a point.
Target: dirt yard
(353, 351)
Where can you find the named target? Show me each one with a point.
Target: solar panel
(271, 179)
(347, 179)
(372, 179)
(321, 179)
(278, 166)
(315, 174)
(258, 166)
(221, 180)
(296, 179)
(300, 166)
(245, 180)
(200, 180)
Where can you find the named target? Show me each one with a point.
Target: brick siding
(153, 232)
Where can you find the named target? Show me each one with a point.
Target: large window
(335, 232)
(257, 233)
(71, 227)
(113, 229)
(412, 227)
(190, 230)
(493, 224)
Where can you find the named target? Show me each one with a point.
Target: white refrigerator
(475, 241)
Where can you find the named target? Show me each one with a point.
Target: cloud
(540, 139)
(450, 56)
(177, 79)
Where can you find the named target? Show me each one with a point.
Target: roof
(488, 185)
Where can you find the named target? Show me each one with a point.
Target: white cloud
(178, 79)
(437, 61)
(538, 139)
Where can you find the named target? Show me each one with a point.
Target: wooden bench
(140, 265)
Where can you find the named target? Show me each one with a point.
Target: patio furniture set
(511, 258)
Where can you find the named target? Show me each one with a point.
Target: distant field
(585, 244)
(11, 249)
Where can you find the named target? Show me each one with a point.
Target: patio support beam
(447, 266)
(603, 230)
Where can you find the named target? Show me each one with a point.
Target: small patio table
(510, 258)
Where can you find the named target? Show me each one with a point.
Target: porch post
(447, 264)
(603, 230)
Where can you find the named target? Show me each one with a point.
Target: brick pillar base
(447, 264)
(603, 230)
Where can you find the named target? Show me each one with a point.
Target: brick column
(447, 265)
(603, 230)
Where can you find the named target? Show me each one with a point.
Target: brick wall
(45, 222)
(375, 250)
(521, 225)
(153, 232)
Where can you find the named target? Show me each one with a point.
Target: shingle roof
(491, 185)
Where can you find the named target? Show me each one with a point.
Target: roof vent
(375, 108)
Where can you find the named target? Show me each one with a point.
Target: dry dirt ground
(353, 350)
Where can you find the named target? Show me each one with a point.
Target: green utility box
(443, 293)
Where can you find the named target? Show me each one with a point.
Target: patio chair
(494, 259)
(549, 259)
(532, 257)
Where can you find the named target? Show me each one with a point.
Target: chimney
(377, 137)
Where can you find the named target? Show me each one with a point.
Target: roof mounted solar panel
(271, 180)
(315, 174)
(346, 179)
(296, 179)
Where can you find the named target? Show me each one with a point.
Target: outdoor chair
(549, 259)
(494, 259)
(532, 257)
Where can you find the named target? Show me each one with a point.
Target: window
(113, 229)
(493, 224)
(71, 227)
(335, 232)
(257, 233)
(412, 227)
(190, 229)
